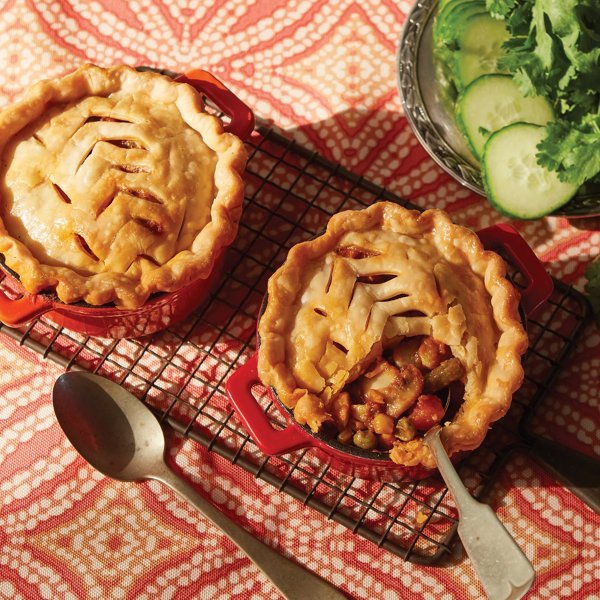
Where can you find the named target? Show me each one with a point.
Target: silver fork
(503, 570)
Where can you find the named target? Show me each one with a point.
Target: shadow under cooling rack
(290, 195)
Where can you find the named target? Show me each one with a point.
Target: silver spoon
(504, 571)
(120, 436)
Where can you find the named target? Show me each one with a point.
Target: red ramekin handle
(540, 286)
(242, 118)
(21, 311)
(271, 441)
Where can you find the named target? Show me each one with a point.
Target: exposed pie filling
(403, 394)
(367, 327)
(115, 184)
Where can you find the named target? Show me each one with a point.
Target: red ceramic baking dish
(160, 311)
(351, 460)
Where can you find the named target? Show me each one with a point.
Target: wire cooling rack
(290, 195)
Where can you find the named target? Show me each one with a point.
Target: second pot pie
(115, 184)
(365, 324)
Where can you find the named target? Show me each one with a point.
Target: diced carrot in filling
(427, 412)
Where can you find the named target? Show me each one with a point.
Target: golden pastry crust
(115, 184)
(327, 318)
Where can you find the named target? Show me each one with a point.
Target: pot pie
(368, 326)
(115, 184)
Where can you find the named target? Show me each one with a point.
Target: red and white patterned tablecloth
(324, 71)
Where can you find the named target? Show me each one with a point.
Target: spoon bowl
(120, 437)
(115, 432)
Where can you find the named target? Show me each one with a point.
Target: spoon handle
(292, 580)
(503, 570)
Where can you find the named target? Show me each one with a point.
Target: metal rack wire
(290, 194)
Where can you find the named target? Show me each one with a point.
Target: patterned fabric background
(324, 72)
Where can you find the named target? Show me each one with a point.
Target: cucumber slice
(480, 43)
(514, 182)
(445, 29)
(446, 5)
(492, 102)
